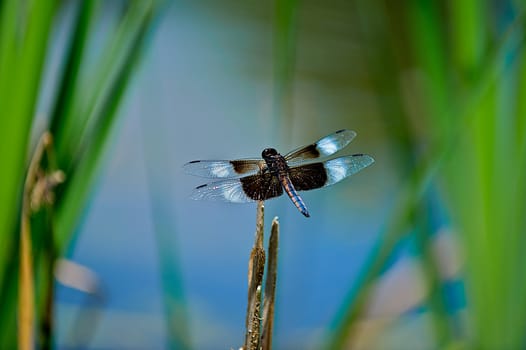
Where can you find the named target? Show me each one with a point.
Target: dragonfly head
(269, 153)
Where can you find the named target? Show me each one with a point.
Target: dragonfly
(259, 179)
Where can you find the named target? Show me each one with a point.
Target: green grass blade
(284, 45)
(18, 100)
(102, 118)
(64, 120)
(158, 176)
(467, 22)
(94, 86)
(24, 34)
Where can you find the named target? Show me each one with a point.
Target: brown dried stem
(259, 336)
(270, 287)
(256, 266)
(38, 191)
(26, 288)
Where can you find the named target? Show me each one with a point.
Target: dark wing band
(308, 177)
(224, 168)
(322, 148)
(316, 175)
(261, 186)
(243, 190)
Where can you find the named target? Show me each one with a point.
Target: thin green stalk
(158, 175)
(76, 190)
(284, 46)
(65, 119)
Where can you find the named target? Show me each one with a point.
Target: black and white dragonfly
(249, 180)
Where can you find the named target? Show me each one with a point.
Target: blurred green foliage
(454, 73)
(83, 114)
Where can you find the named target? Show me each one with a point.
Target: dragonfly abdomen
(293, 195)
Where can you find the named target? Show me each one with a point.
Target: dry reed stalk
(270, 287)
(256, 266)
(259, 336)
(38, 191)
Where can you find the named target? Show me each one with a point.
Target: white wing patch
(334, 142)
(340, 168)
(227, 190)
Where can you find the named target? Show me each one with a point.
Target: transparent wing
(343, 167)
(316, 175)
(324, 147)
(227, 190)
(224, 168)
(244, 190)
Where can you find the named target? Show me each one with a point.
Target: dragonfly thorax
(276, 164)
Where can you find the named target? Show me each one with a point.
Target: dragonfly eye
(268, 152)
